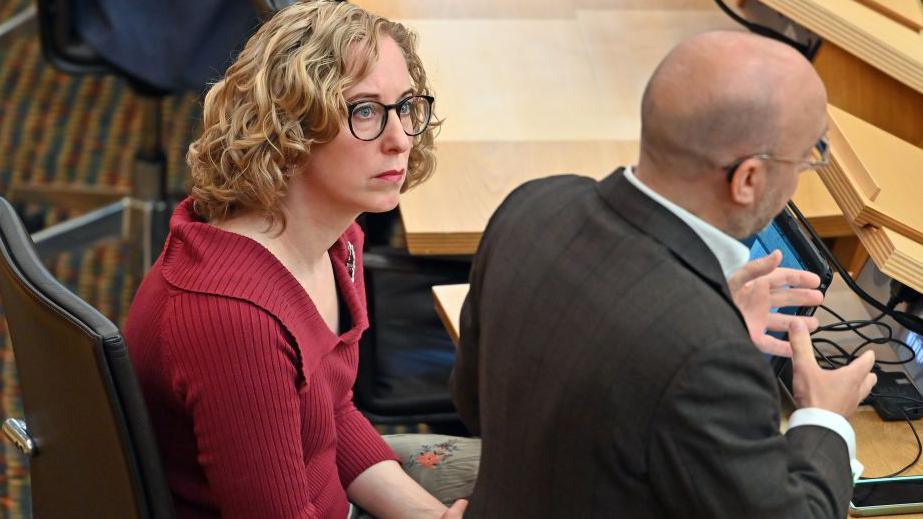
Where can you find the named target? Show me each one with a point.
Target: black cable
(806, 50)
(854, 326)
(900, 343)
(830, 358)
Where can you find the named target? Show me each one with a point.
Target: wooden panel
(874, 38)
(895, 254)
(864, 91)
(879, 174)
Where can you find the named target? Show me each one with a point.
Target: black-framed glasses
(820, 156)
(367, 119)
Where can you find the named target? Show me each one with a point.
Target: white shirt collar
(731, 253)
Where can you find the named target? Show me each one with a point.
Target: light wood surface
(449, 300)
(908, 13)
(448, 214)
(529, 89)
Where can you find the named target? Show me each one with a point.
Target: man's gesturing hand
(761, 285)
(839, 390)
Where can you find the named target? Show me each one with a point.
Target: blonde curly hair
(283, 94)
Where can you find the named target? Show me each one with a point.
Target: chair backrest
(266, 8)
(62, 45)
(95, 453)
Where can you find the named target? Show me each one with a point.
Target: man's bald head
(719, 96)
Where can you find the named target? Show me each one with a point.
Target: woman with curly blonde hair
(244, 333)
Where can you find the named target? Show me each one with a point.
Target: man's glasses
(367, 119)
(820, 156)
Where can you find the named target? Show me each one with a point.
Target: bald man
(611, 353)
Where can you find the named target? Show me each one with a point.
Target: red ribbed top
(249, 391)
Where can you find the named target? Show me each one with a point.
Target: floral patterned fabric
(446, 466)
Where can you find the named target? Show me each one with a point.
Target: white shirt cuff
(834, 422)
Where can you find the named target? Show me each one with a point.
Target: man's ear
(747, 182)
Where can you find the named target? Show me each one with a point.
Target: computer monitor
(798, 252)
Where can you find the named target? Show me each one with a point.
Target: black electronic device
(798, 252)
(894, 397)
(885, 496)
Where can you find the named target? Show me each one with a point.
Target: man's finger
(780, 322)
(755, 269)
(783, 276)
(802, 350)
(782, 297)
(773, 346)
(867, 385)
(862, 364)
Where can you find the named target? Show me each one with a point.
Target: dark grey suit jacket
(610, 375)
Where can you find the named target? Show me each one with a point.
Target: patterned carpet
(70, 131)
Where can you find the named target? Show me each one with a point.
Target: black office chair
(86, 430)
(406, 355)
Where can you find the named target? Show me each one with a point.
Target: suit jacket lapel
(659, 223)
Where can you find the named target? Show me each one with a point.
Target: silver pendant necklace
(351, 261)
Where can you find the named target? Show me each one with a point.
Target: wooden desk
(532, 88)
(883, 447)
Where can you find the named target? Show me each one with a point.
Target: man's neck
(692, 194)
(730, 253)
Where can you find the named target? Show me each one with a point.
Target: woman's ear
(747, 182)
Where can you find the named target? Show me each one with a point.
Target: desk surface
(883, 447)
(567, 102)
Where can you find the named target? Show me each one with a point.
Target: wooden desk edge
(444, 316)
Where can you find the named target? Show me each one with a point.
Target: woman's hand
(456, 510)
